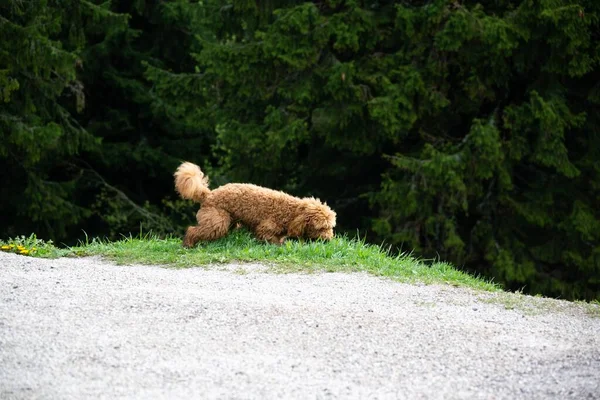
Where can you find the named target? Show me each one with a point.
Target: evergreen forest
(460, 130)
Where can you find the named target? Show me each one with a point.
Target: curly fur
(272, 215)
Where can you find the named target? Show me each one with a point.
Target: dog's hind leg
(213, 223)
(269, 231)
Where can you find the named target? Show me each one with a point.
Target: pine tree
(503, 180)
(40, 93)
(286, 99)
(85, 146)
(470, 126)
(143, 138)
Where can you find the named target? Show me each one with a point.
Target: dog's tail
(191, 183)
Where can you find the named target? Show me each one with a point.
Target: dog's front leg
(270, 231)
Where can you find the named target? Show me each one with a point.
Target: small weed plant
(32, 246)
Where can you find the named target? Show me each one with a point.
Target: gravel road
(88, 329)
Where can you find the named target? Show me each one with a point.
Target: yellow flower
(19, 247)
(5, 247)
(34, 249)
(24, 252)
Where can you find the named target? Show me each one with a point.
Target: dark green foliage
(84, 147)
(486, 113)
(463, 130)
(504, 180)
(143, 139)
(40, 55)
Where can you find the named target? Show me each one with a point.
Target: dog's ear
(297, 225)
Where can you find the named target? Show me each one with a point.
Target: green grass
(338, 255)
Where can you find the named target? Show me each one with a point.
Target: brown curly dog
(272, 215)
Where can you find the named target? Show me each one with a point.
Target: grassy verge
(338, 255)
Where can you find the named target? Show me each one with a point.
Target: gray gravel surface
(89, 329)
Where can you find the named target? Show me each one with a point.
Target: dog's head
(315, 220)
